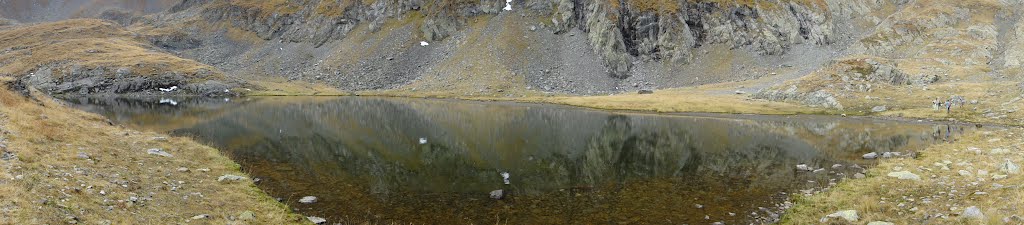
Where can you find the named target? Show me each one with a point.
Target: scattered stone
(859, 176)
(183, 169)
(247, 216)
(998, 151)
(645, 92)
(201, 216)
(229, 177)
(699, 206)
(1009, 167)
(848, 215)
(890, 154)
(83, 155)
(964, 173)
(870, 155)
(533, 28)
(837, 166)
(316, 220)
(904, 175)
(423, 141)
(497, 194)
(204, 170)
(803, 167)
(998, 176)
(308, 200)
(880, 108)
(973, 212)
(880, 223)
(159, 152)
(741, 92)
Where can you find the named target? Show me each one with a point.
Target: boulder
(973, 212)
(848, 215)
(871, 155)
(229, 177)
(159, 152)
(316, 220)
(904, 175)
(1009, 167)
(880, 108)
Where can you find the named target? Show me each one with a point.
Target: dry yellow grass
(940, 195)
(73, 166)
(89, 43)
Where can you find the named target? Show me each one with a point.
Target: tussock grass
(940, 196)
(50, 183)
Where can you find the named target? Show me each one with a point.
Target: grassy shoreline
(244, 196)
(62, 165)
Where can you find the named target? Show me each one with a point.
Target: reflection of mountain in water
(346, 150)
(375, 141)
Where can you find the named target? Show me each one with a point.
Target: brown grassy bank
(62, 166)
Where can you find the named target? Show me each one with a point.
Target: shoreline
(806, 208)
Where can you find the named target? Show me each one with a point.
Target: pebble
(308, 200)
(183, 169)
(201, 216)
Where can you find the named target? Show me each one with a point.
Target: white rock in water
(308, 200)
(880, 223)
(159, 152)
(505, 176)
(229, 177)
(871, 155)
(1009, 167)
(904, 175)
(497, 194)
(848, 215)
(973, 212)
(316, 220)
(803, 167)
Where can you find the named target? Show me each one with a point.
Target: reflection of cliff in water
(363, 158)
(375, 141)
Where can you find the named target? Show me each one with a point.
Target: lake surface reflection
(364, 159)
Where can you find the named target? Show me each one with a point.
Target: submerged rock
(497, 194)
(308, 200)
(316, 220)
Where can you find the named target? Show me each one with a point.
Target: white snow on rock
(508, 5)
(170, 89)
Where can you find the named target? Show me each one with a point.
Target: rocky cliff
(825, 53)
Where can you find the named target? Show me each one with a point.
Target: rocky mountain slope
(850, 55)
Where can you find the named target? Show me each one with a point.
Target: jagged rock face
(622, 33)
(53, 10)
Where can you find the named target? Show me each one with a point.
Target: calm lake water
(363, 157)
